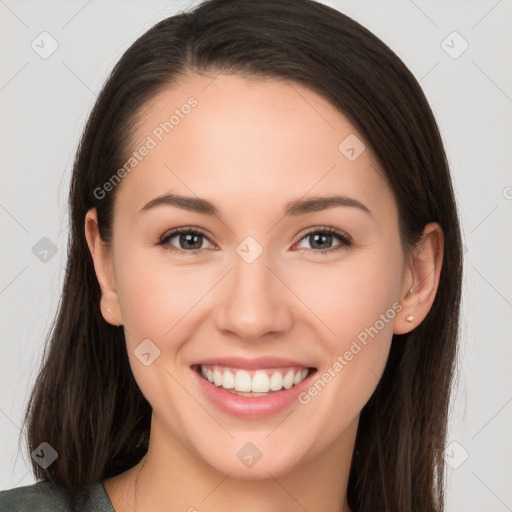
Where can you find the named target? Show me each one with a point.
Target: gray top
(45, 497)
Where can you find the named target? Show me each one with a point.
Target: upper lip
(253, 363)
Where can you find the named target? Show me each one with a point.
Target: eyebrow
(293, 208)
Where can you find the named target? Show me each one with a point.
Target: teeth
(217, 377)
(288, 380)
(261, 381)
(242, 381)
(228, 380)
(276, 381)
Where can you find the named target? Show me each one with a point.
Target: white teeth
(288, 379)
(262, 381)
(276, 381)
(242, 381)
(228, 380)
(217, 377)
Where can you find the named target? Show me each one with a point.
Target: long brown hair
(86, 403)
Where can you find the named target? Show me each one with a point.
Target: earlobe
(421, 279)
(102, 260)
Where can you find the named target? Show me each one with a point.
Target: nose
(254, 301)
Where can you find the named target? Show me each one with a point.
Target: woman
(261, 302)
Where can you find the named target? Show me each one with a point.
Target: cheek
(351, 296)
(155, 299)
(154, 296)
(359, 305)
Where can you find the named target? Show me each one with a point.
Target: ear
(102, 259)
(421, 279)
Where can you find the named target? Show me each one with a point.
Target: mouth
(253, 383)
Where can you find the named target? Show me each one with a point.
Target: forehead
(254, 141)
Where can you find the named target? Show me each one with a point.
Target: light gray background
(44, 104)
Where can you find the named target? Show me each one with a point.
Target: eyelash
(345, 240)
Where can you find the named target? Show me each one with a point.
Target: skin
(250, 146)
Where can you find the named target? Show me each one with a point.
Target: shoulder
(46, 497)
(35, 497)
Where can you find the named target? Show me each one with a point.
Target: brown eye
(185, 240)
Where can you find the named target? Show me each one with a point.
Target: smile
(253, 382)
(252, 388)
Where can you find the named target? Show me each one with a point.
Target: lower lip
(251, 407)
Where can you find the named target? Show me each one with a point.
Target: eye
(321, 241)
(192, 241)
(189, 241)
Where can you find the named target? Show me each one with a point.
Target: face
(266, 286)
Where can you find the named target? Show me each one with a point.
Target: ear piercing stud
(409, 318)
